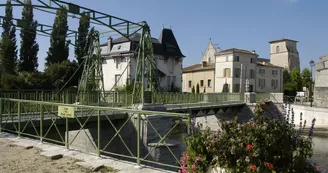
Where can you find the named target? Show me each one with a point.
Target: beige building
(269, 78)
(227, 70)
(283, 53)
(202, 73)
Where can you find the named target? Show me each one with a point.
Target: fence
(119, 99)
(40, 120)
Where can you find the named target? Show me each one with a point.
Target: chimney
(204, 64)
(253, 51)
(109, 44)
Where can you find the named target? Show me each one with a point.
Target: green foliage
(296, 80)
(29, 47)
(307, 80)
(81, 42)
(267, 143)
(8, 45)
(197, 88)
(7, 57)
(58, 51)
(193, 89)
(286, 77)
(60, 73)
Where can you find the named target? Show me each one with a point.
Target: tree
(58, 51)
(60, 73)
(306, 77)
(8, 46)
(307, 80)
(193, 89)
(29, 47)
(197, 88)
(81, 43)
(286, 77)
(296, 79)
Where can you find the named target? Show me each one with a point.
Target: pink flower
(197, 159)
(193, 166)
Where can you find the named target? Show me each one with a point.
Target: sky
(240, 24)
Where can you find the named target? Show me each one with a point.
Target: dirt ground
(16, 159)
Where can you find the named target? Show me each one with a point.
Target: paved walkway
(85, 160)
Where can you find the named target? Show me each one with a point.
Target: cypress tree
(83, 30)
(8, 45)
(29, 47)
(58, 50)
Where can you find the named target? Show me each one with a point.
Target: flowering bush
(267, 143)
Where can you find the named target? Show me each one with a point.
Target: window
(236, 88)
(117, 63)
(226, 72)
(226, 88)
(201, 83)
(274, 83)
(209, 83)
(262, 71)
(227, 58)
(209, 59)
(189, 84)
(117, 78)
(237, 72)
(173, 79)
(274, 72)
(277, 49)
(168, 80)
(252, 74)
(237, 58)
(250, 88)
(261, 82)
(251, 60)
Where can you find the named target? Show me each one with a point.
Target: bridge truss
(145, 77)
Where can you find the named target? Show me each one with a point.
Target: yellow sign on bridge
(66, 112)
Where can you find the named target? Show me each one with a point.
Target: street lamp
(311, 84)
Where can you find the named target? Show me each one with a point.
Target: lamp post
(311, 84)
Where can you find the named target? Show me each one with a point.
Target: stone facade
(284, 53)
(321, 82)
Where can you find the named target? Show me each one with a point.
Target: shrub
(267, 143)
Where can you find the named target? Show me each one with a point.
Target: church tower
(283, 53)
(209, 54)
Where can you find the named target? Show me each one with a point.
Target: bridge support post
(19, 118)
(250, 97)
(1, 107)
(41, 123)
(138, 139)
(67, 135)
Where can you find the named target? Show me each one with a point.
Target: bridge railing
(117, 132)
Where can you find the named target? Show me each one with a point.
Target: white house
(232, 67)
(119, 61)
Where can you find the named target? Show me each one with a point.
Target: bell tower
(284, 53)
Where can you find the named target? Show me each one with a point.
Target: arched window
(277, 49)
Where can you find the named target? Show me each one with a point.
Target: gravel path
(17, 159)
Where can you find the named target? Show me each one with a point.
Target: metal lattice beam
(100, 18)
(41, 28)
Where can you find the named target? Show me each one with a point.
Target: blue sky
(241, 24)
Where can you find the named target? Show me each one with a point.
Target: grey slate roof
(166, 44)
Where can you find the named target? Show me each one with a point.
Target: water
(320, 152)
